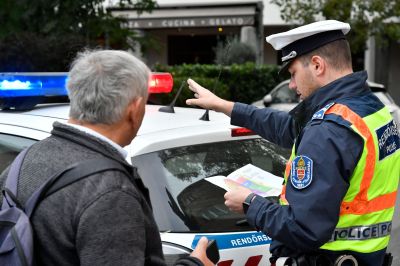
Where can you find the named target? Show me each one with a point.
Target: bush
(244, 83)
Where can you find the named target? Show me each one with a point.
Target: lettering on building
(190, 22)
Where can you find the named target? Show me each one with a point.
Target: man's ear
(135, 109)
(318, 65)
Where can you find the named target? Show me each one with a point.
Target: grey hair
(102, 83)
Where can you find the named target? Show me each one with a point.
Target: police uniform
(344, 169)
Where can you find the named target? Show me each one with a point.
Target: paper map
(257, 180)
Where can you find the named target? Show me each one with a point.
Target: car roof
(373, 85)
(159, 130)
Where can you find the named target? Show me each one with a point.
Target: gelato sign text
(190, 22)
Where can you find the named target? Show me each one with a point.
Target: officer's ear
(318, 65)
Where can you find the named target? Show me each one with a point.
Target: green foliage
(232, 51)
(49, 29)
(377, 18)
(27, 52)
(243, 83)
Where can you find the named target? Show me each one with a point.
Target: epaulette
(319, 115)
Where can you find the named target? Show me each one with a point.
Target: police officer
(341, 179)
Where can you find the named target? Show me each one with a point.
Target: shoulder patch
(321, 113)
(301, 172)
(388, 139)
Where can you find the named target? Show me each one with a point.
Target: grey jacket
(104, 219)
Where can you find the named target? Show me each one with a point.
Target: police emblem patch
(388, 139)
(321, 113)
(301, 172)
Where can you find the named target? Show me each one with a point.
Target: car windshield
(184, 200)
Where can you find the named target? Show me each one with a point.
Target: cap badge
(291, 55)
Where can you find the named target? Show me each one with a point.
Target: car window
(285, 95)
(183, 200)
(10, 146)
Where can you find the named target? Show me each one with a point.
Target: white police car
(173, 152)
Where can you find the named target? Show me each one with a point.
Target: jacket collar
(95, 134)
(100, 146)
(89, 141)
(348, 86)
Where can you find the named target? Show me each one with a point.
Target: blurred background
(221, 43)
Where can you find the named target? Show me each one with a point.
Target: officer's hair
(102, 83)
(336, 53)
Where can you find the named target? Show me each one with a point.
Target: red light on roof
(241, 131)
(160, 83)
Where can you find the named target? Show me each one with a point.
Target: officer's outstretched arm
(208, 100)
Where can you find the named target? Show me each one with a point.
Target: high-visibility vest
(367, 209)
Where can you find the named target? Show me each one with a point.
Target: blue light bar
(32, 84)
(25, 90)
(16, 84)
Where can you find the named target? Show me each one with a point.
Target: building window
(192, 49)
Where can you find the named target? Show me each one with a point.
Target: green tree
(379, 18)
(232, 51)
(43, 35)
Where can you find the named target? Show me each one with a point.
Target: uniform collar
(348, 86)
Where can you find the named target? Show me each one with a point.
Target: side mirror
(267, 100)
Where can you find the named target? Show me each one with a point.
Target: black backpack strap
(70, 175)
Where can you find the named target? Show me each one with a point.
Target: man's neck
(334, 75)
(109, 131)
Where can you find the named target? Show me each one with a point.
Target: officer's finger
(194, 86)
(191, 101)
(191, 84)
(227, 195)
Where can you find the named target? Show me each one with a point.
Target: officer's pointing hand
(203, 97)
(208, 100)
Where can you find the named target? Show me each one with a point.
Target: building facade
(188, 31)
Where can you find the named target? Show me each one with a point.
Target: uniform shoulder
(322, 115)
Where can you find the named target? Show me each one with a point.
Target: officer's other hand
(235, 197)
(200, 252)
(208, 100)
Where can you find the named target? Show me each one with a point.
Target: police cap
(305, 39)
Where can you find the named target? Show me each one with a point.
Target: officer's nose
(292, 85)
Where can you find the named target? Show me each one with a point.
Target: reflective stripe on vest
(282, 199)
(367, 209)
(361, 204)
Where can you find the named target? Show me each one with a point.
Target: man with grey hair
(105, 218)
